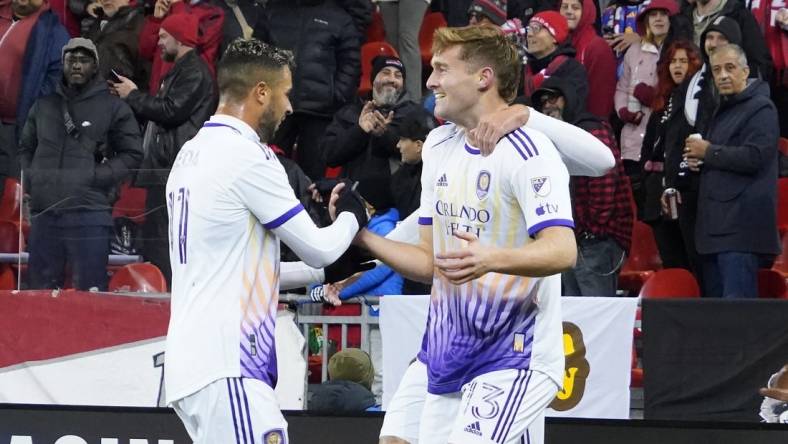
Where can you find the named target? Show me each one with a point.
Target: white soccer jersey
(498, 321)
(225, 194)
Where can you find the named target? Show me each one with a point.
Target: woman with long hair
(661, 158)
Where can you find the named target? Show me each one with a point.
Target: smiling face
(540, 42)
(387, 86)
(658, 23)
(79, 67)
(679, 65)
(454, 83)
(572, 10)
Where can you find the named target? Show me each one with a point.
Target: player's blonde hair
(484, 45)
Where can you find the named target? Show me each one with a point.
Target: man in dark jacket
(363, 136)
(327, 48)
(116, 35)
(76, 147)
(738, 161)
(603, 215)
(32, 68)
(185, 101)
(350, 374)
(549, 57)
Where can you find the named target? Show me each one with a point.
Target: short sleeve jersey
(498, 321)
(225, 194)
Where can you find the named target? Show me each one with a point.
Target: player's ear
(261, 93)
(486, 78)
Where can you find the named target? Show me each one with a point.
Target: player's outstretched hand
(351, 262)
(346, 198)
(492, 127)
(466, 264)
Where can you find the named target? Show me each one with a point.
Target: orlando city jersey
(225, 194)
(498, 321)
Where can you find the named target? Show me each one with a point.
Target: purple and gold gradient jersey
(225, 194)
(498, 321)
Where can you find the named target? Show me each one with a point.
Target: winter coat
(406, 188)
(118, 45)
(737, 202)
(210, 18)
(251, 10)
(78, 171)
(327, 48)
(597, 58)
(381, 280)
(640, 66)
(185, 101)
(346, 145)
(340, 397)
(561, 63)
(43, 64)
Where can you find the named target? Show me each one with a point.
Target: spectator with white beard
(363, 137)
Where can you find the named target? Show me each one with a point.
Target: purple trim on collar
(472, 150)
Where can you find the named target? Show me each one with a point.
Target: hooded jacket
(737, 202)
(79, 171)
(601, 204)
(597, 58)
(327, 49)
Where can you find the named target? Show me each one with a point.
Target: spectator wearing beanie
(186, 99)
(32, 68)
(362, 138)
(209, 19)
(402, 20)
(635, 89)
(350, 373)
(548, 56)
(593, 53)
(491, 12)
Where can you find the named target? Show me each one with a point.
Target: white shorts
(502, 407)
(233, 410)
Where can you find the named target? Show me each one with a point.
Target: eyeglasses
(548, 98)
(534, 27)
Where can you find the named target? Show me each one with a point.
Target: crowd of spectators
(688, 95)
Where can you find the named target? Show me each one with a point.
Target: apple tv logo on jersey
(546, 208)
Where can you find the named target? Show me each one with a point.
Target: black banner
(705, 359)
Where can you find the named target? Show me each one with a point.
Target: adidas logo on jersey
(474, 428)
(443, 182)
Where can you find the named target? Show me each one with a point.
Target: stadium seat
(636, 375)
(431, 22)
(142, 277)
(642, 261)
(783, 146)
(781, 262)
(368, 52)
(782, 205)
(9, 237)
(130, 203)
(671, 283)
(7, 277)
(11, 200)
(376, 32)
(771, 284)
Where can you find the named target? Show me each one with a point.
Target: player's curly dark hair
(245, 63)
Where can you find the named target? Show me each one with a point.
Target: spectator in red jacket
(210, 18)
(602, 210)
(593, 53)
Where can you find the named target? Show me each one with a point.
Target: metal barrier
(306, 320)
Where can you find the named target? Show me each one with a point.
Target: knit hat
(183, 27)
(494, 10)
(80, 43)
(382, 61)
(555, 24)
(725, 26)
(671, 6)
(351, 364)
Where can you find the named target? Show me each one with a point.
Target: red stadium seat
(376, 32)
(636, 375)
(11, 200)
(783, 146)
(368, 52)
(781, 262)
(7, 277)
(671, 283)
(771, 284)
(9, 237)
(143, 278)
(643, 259)
(782, 205)
(431, 22)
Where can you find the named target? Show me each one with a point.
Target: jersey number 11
(179, 201)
